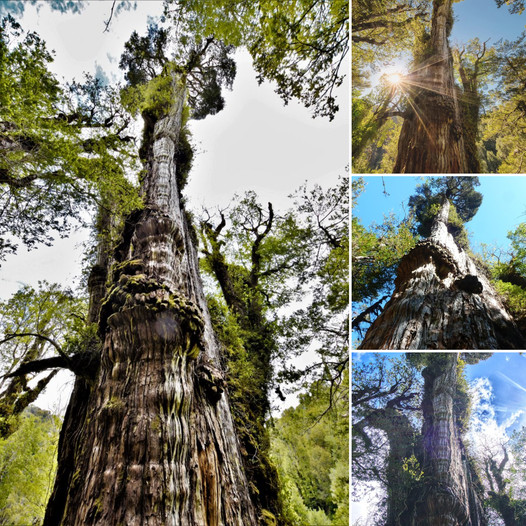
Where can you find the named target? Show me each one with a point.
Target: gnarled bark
(158, 445)
(442, 301)
(446, 496)
(431, 140)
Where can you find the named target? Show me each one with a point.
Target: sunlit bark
(431, 140)
(442, 301)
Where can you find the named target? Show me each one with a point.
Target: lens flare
(394, 79)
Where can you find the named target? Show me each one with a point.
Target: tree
(408, 435)
(442, 300)
(301, 46)
(27, 464)
(449, 494)
(168, 457)
(262, 262)
(475, 64)
(312, 457)
(386, 400)
(431, 140)
(376, 254)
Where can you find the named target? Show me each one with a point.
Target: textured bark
(447, 496)
(431, 140)
(72, 431)
(158, 446)
(442, 301)
(400, 435)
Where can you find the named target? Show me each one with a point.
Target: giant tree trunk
(158, 446)
(446, 496)
(431, 140)
(442, 301)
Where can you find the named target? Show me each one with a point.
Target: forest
(424, 279)
(206, 349)
(438, 439)
(438, 86)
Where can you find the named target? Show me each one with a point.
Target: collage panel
(438, 262)
(438, 86)
(438, 438)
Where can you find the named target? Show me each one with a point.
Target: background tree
(312, 456)
(36, 325)
(376, 253)
(386, 414)
(55, 142)
(301, 46)
(27, 464)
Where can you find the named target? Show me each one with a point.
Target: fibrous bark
(442, 301)
(446, 495)
(431, 140)
(158, 446)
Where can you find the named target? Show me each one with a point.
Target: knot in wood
(420, 255)
(211, 380)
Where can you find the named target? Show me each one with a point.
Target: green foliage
(411, 467)
(27, 466)
(514, 295)
(313, 459)
(376, 252)
(53, 157)
(299, 45)
(197, 70)
(508, 271)
(461, 399)
(48, 311)
(465, 201)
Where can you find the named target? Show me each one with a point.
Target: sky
(498, 389)
(255, 143)
(503, 205)
(483, 19)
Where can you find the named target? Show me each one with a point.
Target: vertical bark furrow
(157, 449)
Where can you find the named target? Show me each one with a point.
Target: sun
(394, 78)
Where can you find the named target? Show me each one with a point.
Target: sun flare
(394, 78)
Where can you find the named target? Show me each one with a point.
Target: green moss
(268, 518)
(132, 290)
(114, 404)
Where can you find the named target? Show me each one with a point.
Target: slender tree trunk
(442, 301)
(158, 446)
(447, 496)
(431, 140)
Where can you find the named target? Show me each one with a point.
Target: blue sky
(503, 206)
(482, 19)
(507, 374)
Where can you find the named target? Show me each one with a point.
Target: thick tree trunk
(442, 301)
(431, 140)
(158, 446)
(447, 496)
